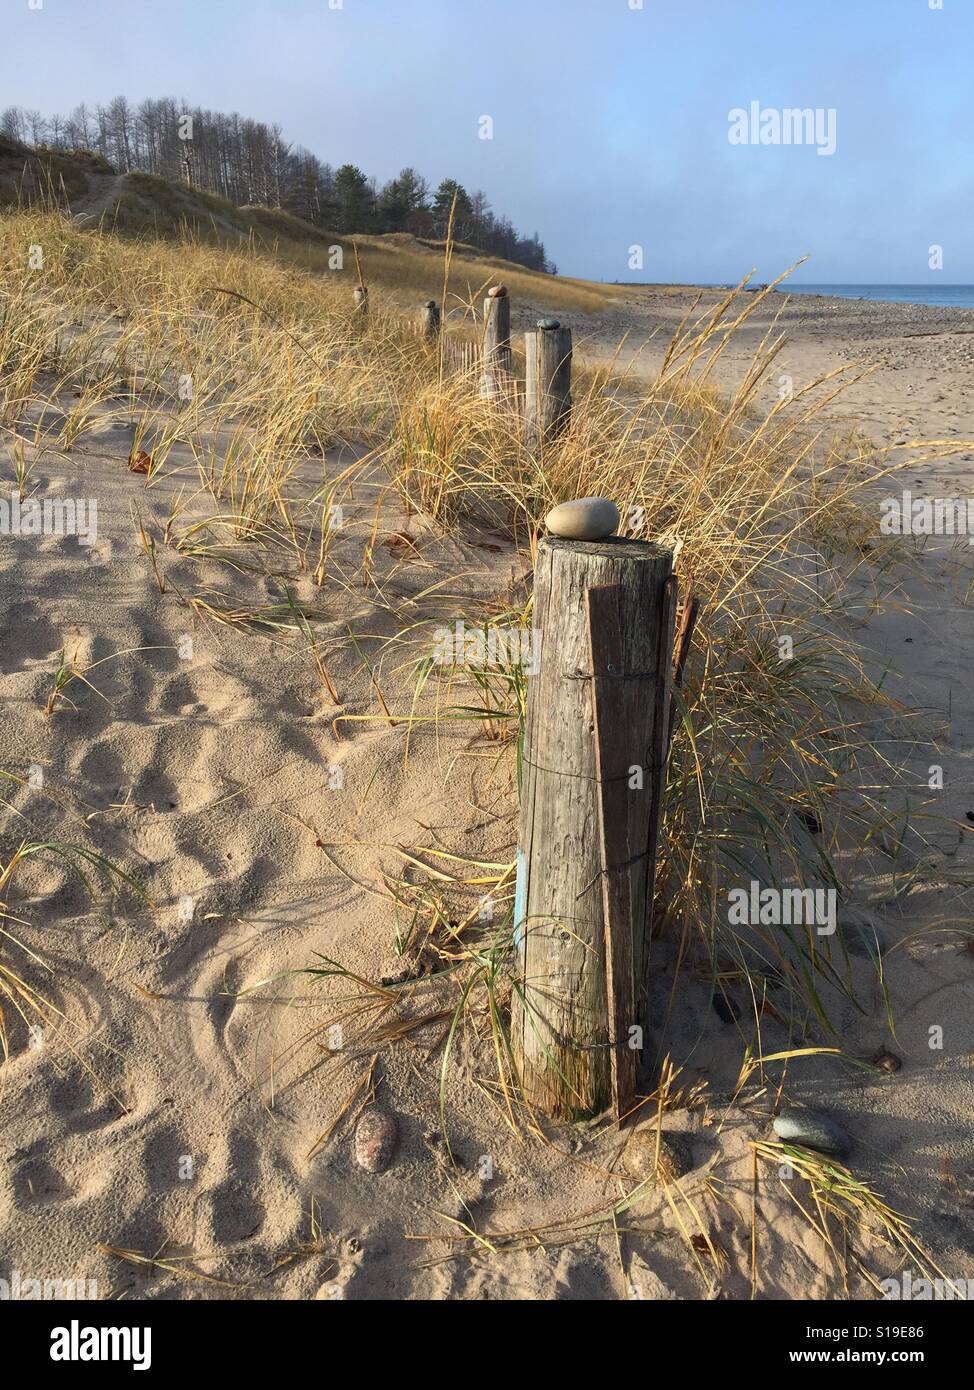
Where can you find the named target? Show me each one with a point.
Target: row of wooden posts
(594, 754)
(547, 399)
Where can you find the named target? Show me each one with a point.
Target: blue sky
(610, 122)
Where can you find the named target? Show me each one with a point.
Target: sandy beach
(182, 1126)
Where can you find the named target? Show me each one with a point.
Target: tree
(82, 127)
(36, 127)
(121, 127)
(481, 218)
(401, 199)
(310, 189)
(353, 200)
(12, 124)
(279, 153)
(462, 217)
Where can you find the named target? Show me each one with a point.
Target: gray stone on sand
(860, 933)
(375, 1139)
(813, 1130)
(585, 519)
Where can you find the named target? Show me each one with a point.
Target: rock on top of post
(497, 292)
(547, 324)
(429, 304)
(585, 519)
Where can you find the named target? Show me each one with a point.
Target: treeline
(248, 161)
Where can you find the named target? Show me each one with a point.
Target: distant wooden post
(548, 381)
(495, 380)
(593, 773)
(429, 320)
(361, 296)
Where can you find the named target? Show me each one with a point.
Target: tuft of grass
(838, 1203)
(147, 543)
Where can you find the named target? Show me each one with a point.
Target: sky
(610, 118)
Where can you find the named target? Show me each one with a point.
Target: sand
(191, 1106)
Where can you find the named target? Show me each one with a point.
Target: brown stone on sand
(375, 1139)
(675, 1155)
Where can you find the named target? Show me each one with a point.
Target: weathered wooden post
(548, 381)
(429, 320)
(593, 774)
(495, 379)
(361, 296)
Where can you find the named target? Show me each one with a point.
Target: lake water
(952, 296)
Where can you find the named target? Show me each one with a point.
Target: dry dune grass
(292, 408)
(405, 271)
(752, 506)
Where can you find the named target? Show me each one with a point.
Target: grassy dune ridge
(29, 176)
(142, 204)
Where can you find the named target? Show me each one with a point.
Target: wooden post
(361, 296)
(548, 381)
(495, 380)
(429, 320)
(593, 774)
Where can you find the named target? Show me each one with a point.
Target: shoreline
(824, 290)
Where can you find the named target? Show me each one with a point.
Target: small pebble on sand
(375, 1140)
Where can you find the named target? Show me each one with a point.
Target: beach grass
(252, 363)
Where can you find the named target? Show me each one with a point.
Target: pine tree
(401, 199)
(462, 217)
(353, 200)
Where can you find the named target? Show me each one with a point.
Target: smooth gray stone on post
(586, 519)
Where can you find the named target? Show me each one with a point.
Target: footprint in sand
(36, 1182)
(169, 1161)
(236, 1211)
(72, 1097)
(27, 638)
